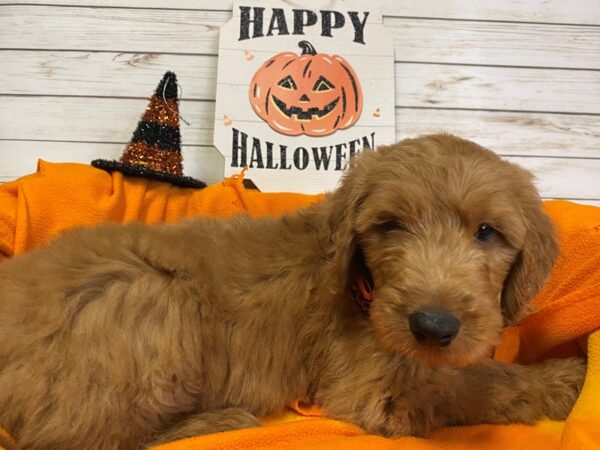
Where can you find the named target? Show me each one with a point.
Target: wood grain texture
(113, 29)
(509, 133)
(495, 43)
(74, 119)
(542, 11)
(552, 175)
(104, 74)
(498, 88)
(205, 162)
(417, 85)
(521, 77)
(196, 32)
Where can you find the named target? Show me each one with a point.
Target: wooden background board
(521, 77)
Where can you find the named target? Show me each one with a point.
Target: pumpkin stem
(307, 48)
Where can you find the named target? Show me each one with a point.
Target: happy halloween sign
(301, 90)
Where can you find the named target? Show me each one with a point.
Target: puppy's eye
(485, 233)
(392, 224)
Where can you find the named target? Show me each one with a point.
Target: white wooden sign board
(301, 89)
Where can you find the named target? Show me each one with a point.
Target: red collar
(362, 291)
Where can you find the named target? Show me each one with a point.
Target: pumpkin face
(312, 94)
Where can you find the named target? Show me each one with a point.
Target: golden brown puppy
(122, 336)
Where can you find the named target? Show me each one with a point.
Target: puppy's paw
(563, 380)
(397, 419)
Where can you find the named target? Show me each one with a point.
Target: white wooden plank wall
(521, 77)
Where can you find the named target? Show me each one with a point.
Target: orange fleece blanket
(35, 208)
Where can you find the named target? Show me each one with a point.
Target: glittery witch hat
(155, 147)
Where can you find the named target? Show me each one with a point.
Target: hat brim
(142, 172)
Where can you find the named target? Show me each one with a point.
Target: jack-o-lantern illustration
(312, 93)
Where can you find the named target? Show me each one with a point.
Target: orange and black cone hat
(155, 147)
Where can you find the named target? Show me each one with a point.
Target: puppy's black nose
(434, 327)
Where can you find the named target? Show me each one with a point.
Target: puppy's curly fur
(122, 336)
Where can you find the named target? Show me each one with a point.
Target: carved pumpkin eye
(323, 85)
(287, 83)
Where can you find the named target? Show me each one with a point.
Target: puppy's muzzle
(434, 327)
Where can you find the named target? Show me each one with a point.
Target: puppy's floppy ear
(533, 263)
(344, 205)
